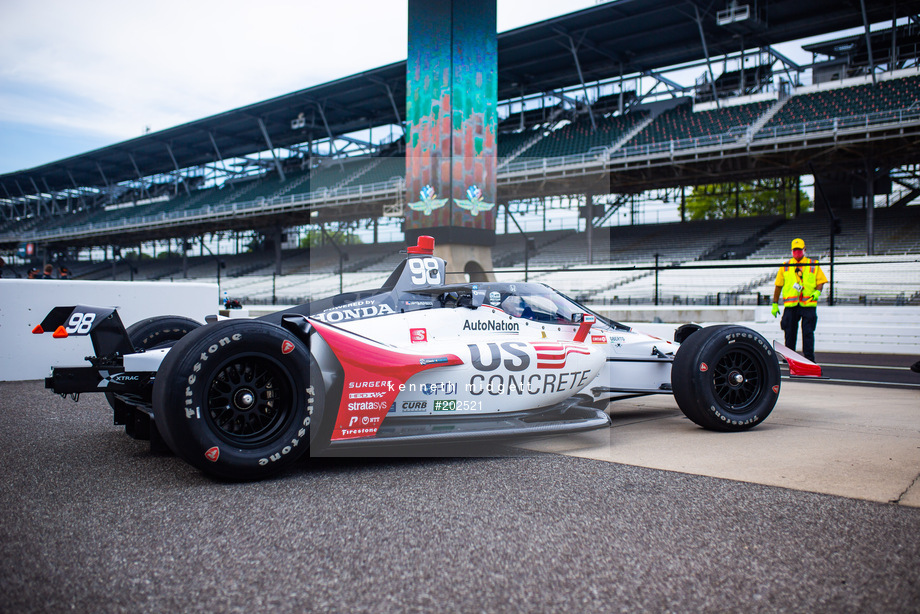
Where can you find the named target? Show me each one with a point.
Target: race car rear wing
(102, 324)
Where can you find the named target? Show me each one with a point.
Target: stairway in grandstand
(633, 132)
(763, 119)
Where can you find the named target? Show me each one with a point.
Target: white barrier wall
(24, 303)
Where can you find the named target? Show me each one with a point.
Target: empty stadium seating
(845, 102)
(579, 137)
(683, 124)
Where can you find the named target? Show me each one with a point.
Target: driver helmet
(514, 305)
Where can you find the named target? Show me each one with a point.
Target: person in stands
(49, 272)
(800, 281)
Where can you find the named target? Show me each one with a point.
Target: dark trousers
(790, 325)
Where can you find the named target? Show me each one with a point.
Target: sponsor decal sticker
(432, 361)
(367, 395)
(445, 405)
(439, 388)
(553, 355)
(495, 298)
(598, 339)
(414, 405)
(287, 347)
(212, 454)
(418, 335)
(363, 420)
(357, 313)
(776, 389)
(492, 326)
(367, 405)
(704, 367)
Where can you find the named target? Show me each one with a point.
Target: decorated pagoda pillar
(451, 100)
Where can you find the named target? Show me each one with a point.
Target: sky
(75, 76)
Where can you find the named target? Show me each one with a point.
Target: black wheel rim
(250, 400)
(738, 379)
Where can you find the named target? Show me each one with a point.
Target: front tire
(235, 400)
(726, 378)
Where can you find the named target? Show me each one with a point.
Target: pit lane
(93, 522)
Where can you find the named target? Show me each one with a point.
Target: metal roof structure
(624, 37)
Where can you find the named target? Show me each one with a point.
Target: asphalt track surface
(90, 521)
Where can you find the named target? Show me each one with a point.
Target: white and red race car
(415, 360)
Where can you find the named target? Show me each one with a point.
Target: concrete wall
(25, 303)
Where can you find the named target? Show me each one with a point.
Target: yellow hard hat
(798, 244)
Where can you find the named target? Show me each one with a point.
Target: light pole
(220, 264)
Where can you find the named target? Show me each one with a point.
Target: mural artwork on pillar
(451, 116)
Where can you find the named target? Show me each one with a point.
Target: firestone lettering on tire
(295, 441)
(753, 337)
(732, 421)
(192, 378)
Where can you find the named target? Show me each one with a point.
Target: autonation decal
(492, 326)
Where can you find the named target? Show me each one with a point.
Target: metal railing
(840, 123)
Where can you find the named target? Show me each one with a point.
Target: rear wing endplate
(102, 324)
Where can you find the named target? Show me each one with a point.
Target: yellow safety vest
(805, 277)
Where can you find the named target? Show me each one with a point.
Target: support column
(279, 237)
(451, 102)
(870, 208)
(589, 224)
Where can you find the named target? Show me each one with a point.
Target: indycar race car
(414, 361)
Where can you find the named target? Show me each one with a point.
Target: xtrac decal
(122, 379)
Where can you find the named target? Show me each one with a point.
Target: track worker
(800, 281)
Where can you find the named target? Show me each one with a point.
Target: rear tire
(235, 400)
(146, 335)
(159, 331)
(726, 378)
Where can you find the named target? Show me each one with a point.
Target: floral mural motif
(451, 101)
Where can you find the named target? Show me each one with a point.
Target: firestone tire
(235, 400)
(726, 378)
(160, 330)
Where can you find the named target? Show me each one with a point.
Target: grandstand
(619, 128)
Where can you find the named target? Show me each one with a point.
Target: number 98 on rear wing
(102, 324)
